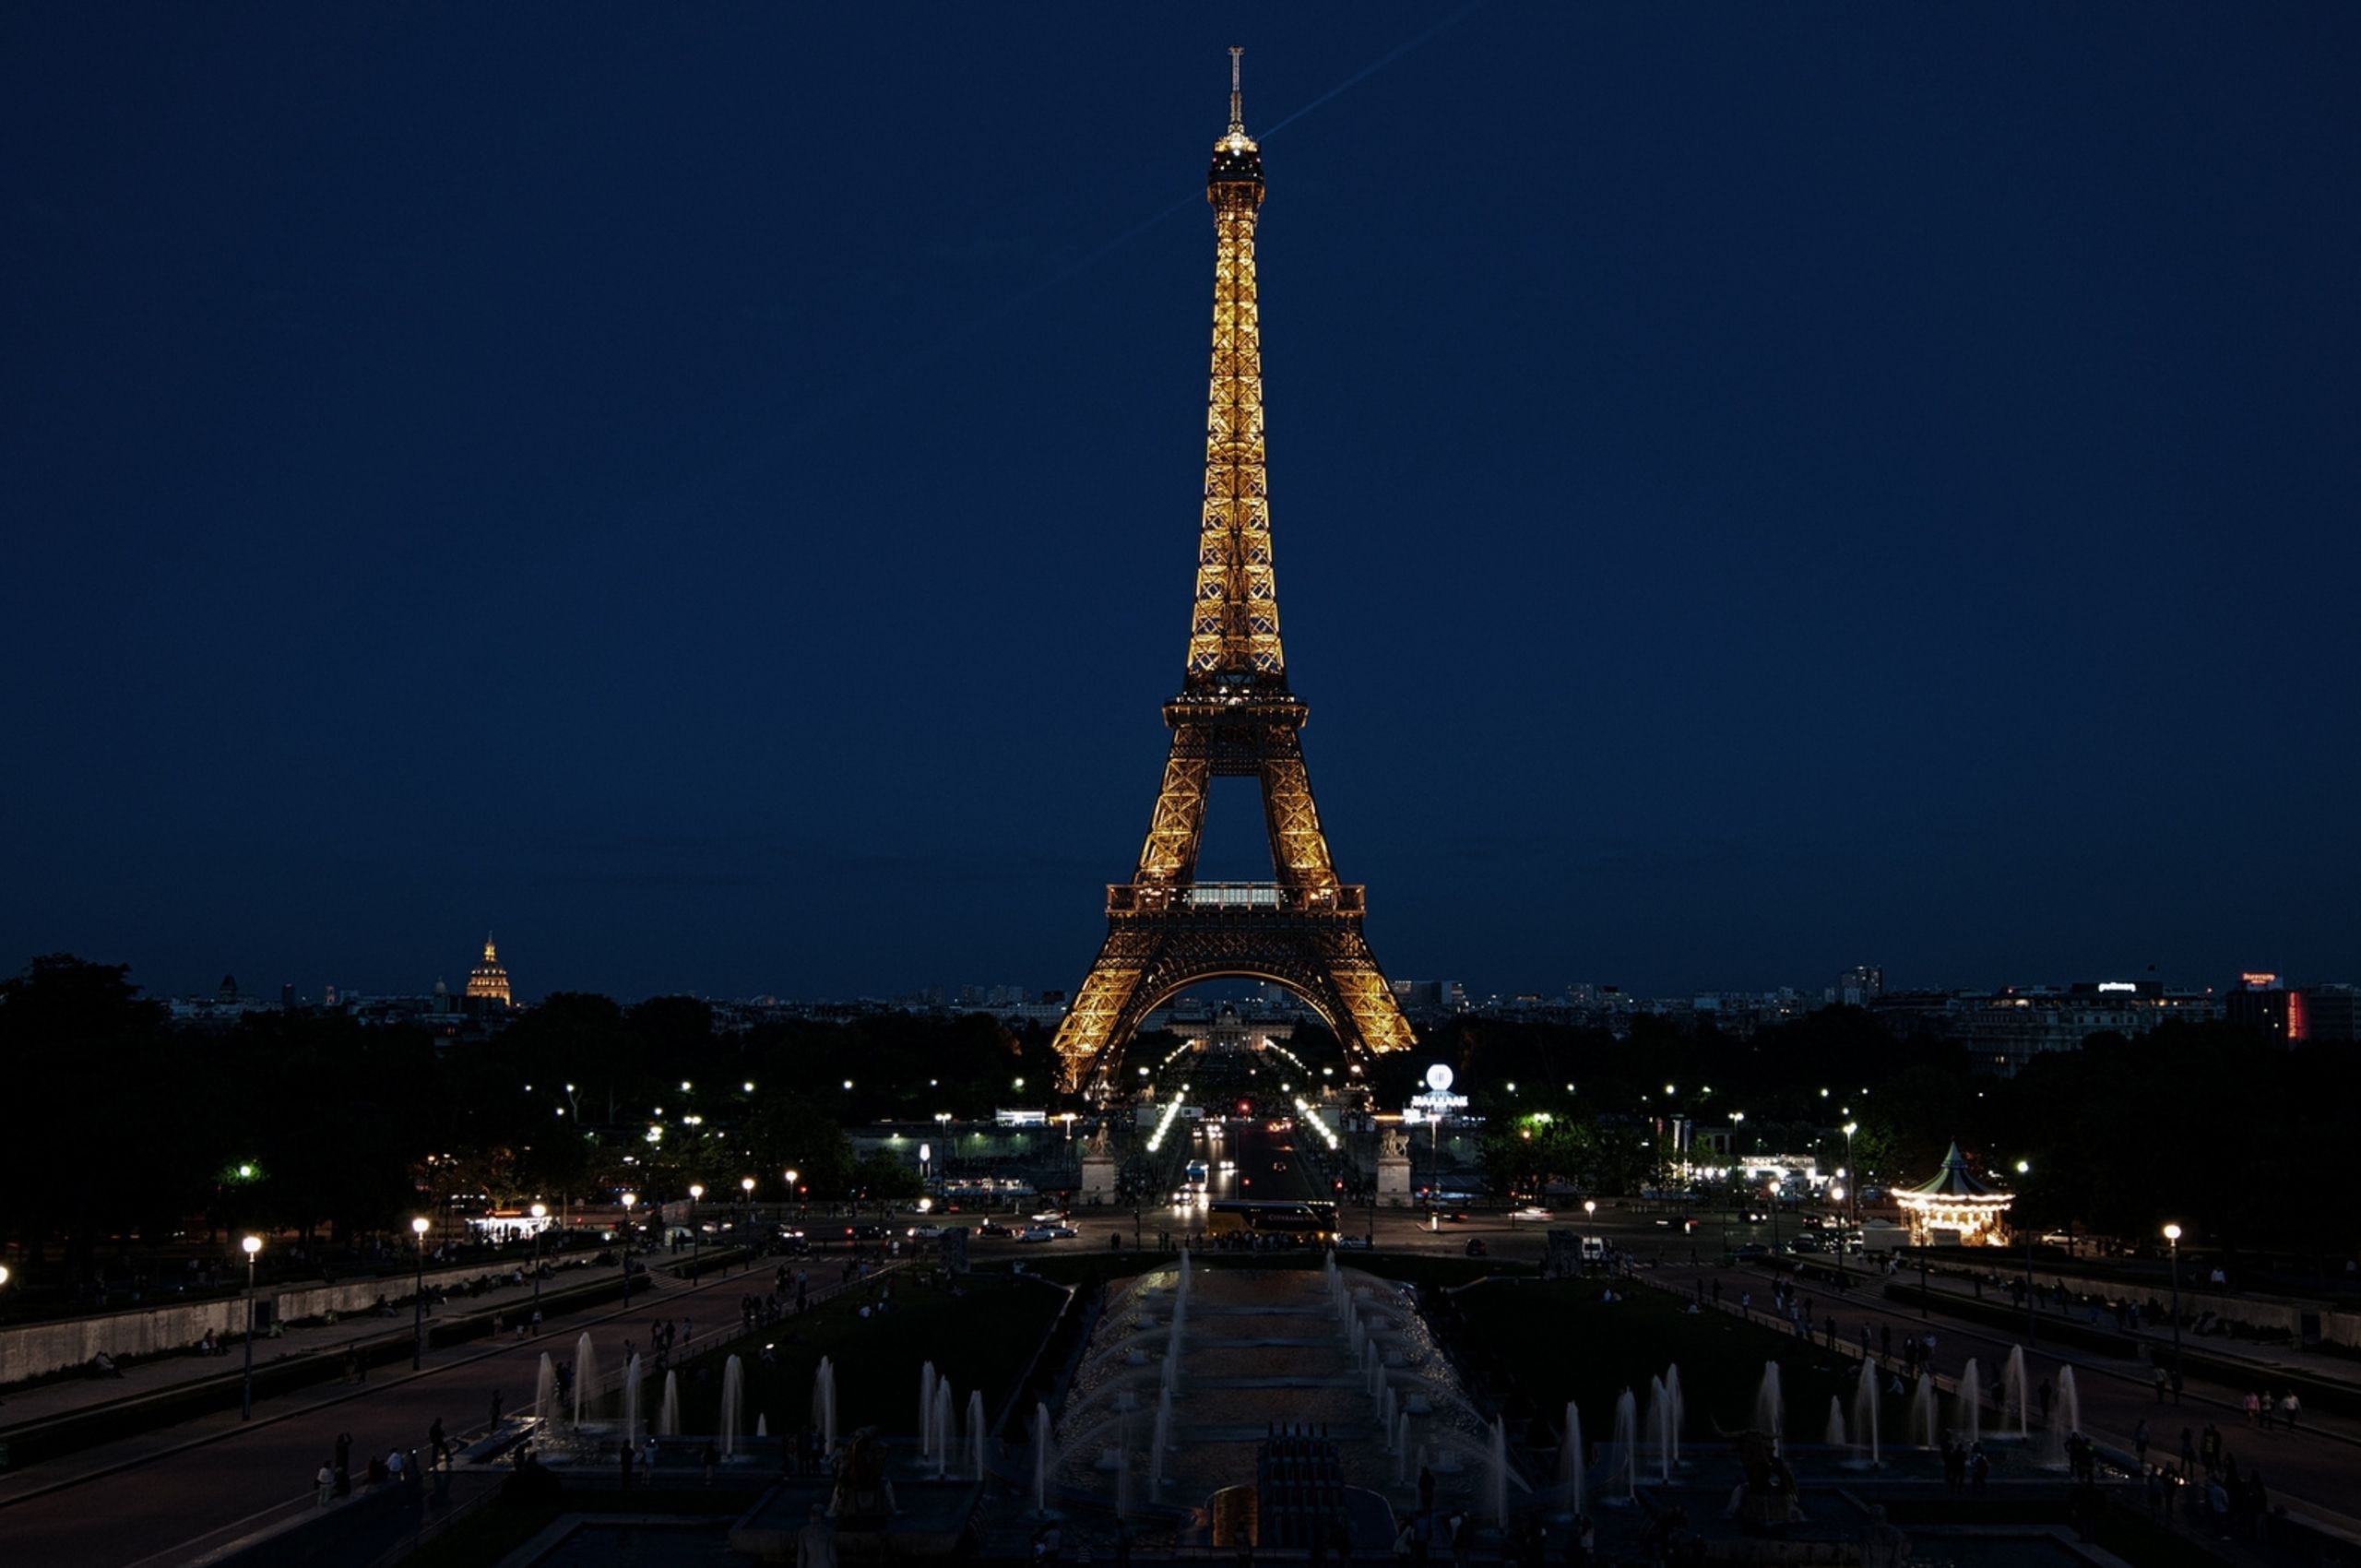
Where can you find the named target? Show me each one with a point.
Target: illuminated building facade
(488, 981)
(1234, 716)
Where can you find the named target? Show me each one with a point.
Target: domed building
(488, 981)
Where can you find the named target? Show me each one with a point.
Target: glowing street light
(252, 1244)
(2172, 1234)
(696, 1229)
(629, 1199)
(418, 1229)
(540, 1213)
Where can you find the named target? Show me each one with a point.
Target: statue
(1100, 1147)
(1395, 1145)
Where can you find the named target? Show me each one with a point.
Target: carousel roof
(1953, 1182)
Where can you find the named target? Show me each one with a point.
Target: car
(1752, 1250)
(1475, 1247)
(1532, 1212)
(994, 1228)
(1807, 1243)
(926, 1233)
(1056, 1230)
(1352, 1243)
(1036, 1233)
(1049, 1217)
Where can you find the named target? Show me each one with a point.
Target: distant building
(2004, 1031)
(488, 981)
(2326, 1014)
(1861, 985)
(2261, 1001)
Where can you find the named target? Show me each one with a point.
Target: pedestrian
(326, 1479)
(438, 1446)
(2251, 1404)
(393, 1465)
(2160, 1382)
(537, 1322)
(2289, 1409)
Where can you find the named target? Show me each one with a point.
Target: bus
(1300, 1224)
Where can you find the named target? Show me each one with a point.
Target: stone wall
(31, 1349)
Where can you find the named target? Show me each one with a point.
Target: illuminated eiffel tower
(1165, 929)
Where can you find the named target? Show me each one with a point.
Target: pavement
(47, 1401)
(179, 1492)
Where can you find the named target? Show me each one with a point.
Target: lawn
(1540, 1343)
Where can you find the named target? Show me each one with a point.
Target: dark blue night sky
(711, 494)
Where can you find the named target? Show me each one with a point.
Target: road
(197, 1485)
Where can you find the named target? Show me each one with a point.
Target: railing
(1242, 899)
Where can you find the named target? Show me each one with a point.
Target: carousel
(1957, 1200)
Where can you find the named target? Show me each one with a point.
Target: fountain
(1770, 1411)
(926, 1411)
(1570, 1457)
(1159, 1438)
(1865, 1411)
(824, 1404)
(1968, 1405)
(976, 1429)
(946, 1428)
(1658, 1413)
(1676, 1411)
(667, 1415)
(733, 1395)
(2065, 1415)
(1498, 1478)
(1627, 1445)
(545, 1392)
(1922, 1413)
(763, 1426)
(631, 1399)
(1833, 1434)
(585, 1372)
(1041, 1433)
(2013, 1391)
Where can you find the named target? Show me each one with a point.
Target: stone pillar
(1393, 1181)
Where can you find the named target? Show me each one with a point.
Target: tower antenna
(1237, 98)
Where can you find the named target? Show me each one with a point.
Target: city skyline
(1808, 494)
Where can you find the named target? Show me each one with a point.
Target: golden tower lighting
(1234, 716)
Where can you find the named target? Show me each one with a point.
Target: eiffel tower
(1234, 716)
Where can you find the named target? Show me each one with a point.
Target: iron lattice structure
(1234, 716)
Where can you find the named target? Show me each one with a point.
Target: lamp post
(540, 1214)
(2032, 1323)
(418, 1229)
(2172, 1234)
(696, 1229)
(629, 1199)
(793, 1191)
(252, 1244)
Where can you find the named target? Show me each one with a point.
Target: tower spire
(1237, 98)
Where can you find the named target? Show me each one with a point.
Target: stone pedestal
(1393, 1181)
(1098, 1178)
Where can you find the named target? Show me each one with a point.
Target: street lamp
(540, 1215)
(2172, 1234)
(252, 1244)
(418, 1229)
(793, 1191)
(696, 1228)
(629, 1199)
(2032, 1323)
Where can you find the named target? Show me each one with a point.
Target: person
(2257, 1504)
(495, 1407)
(1979, 1469)
(2160, 1382)
(815, 1544)
(439, 1446)
(2289, 1409)
(393, 1465)
(2252, 1404)
(326, 1479)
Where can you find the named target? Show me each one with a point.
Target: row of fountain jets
(1653, 1443)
